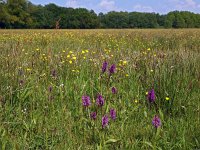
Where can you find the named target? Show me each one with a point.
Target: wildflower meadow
(100, 89)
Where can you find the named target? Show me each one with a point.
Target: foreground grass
(44, 74)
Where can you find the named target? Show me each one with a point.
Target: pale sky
(158, 6)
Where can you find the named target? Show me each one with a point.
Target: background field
(44, 74)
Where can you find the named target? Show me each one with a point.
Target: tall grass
(45, 73)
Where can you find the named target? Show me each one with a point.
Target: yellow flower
(151, 70)
(73, 70)
(127, 75)
(149, 49)
(37, 49)
(74, 58)
(68, 56)
(146, 93)
(70, 62)
(124, 62)
(84, 57)
(28, 69)
(136, 101)
(63, 51)
(86, 51)
(70, 52)
(167, 98)
(83, 52)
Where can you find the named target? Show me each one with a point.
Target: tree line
(23, 14)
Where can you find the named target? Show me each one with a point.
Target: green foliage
(24, 14)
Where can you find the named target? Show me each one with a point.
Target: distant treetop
(24, 14)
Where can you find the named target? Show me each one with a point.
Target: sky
(158, 6)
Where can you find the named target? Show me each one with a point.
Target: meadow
(100, 89)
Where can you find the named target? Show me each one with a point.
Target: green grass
(32, 117)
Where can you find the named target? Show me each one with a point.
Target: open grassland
(44, 75)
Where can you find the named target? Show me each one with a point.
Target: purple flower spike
(151, 96)
(93, 115)
(114, 90)
(53, 73)
(156, 121)
(50, 89)
(21, 82)
(113, 114)
(105, 121)
(112, 69)
(100, 100)
(104, 66)
(86, 101)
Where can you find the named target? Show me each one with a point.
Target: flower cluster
(105, 121)
(93, 115)
(151, 98)
(156, 121)
(104, 67)
(114, 90)
(100, 101)
(112, 68)
(113, 114)
(86, 101)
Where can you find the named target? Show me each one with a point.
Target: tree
(161, 20)
(169, 19)
(179, 21)
(4, 16)
(24, 14)
(19, 17)
(116, 20)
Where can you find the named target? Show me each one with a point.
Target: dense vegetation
(51, 82)
(24, 14)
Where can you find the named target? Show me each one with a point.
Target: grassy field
(44, 75)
